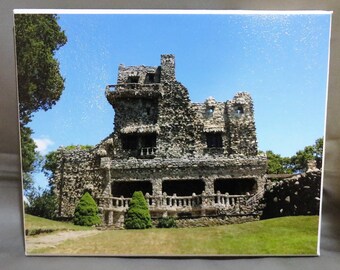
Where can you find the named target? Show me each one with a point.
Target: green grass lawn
(280, 236)
(35, 225)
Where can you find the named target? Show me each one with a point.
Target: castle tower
(168, 67)
(241, 125)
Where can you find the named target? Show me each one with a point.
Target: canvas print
(158, 133)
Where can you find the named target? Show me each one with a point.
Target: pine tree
(138, 214)
(86, 212)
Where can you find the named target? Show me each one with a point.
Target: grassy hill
(35, 225)
(279, 236)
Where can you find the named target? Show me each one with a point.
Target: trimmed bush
(86, 212)
(167, 222)
(138, 214)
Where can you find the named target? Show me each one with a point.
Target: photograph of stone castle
(138, 167)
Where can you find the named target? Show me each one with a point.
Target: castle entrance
(127, 189)
(183, 187)
(235, 186)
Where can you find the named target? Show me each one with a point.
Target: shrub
(138, 214)
(41, 204)
(167, 222)
(86, 212)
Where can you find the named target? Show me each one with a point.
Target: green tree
(312, 152)
(138, 214)
(41, 204)
(31, 159)
(277, 164)
(40, 83)
(318, 152)
(86, 212)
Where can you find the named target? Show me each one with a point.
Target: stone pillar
(167, 67)
(209, 185)
(156, 187)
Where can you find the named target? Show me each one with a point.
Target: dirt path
(51, 240)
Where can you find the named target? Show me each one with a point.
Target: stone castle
(191, 160)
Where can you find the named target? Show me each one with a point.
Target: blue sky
(281, 60)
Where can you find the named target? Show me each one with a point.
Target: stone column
(156, 187)
(209, 185)
(107, 189)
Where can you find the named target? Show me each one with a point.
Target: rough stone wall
(241, 125)
(137, 71)
(210, 118)
(298, 195)
(178, 132)
(77, 172)
(168, 68)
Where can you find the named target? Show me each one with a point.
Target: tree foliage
(277, 164)
(312, 152)
(298, 162)
(40, 84)
(41, 204)
(138, 214)
(31, 159)
(86, 212)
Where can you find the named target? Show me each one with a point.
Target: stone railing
(174, 202)
(255, 198)
(132, 90)
(147, 151)
(120, 202)
(123, 86)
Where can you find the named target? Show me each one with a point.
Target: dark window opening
(239, 110)
(127, 189)
(148, 110)
(214, 140)
(145, 144)
(130, 142)
(235, 186)
(150, 78)
(148, 140)
(133, 79)
(183, 187)
(210, 111)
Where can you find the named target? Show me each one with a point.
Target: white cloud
(43, 144)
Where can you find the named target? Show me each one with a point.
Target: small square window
(133, 79)
(214, 140)
(239, 110)
(150, 78)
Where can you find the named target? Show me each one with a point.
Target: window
(148, 110)
(214, 140)
(150, 78)
(133, 79)
(239, 110)
(148, 140)
(134, 141)
(130, 142)
(210, 111)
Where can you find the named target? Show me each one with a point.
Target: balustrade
(164, 201)
(147, 151)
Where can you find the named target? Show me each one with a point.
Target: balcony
(133, 90)
(147, 152)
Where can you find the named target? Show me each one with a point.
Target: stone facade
(196, 158)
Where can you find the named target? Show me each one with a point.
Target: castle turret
(241, 125)
(168, 67)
